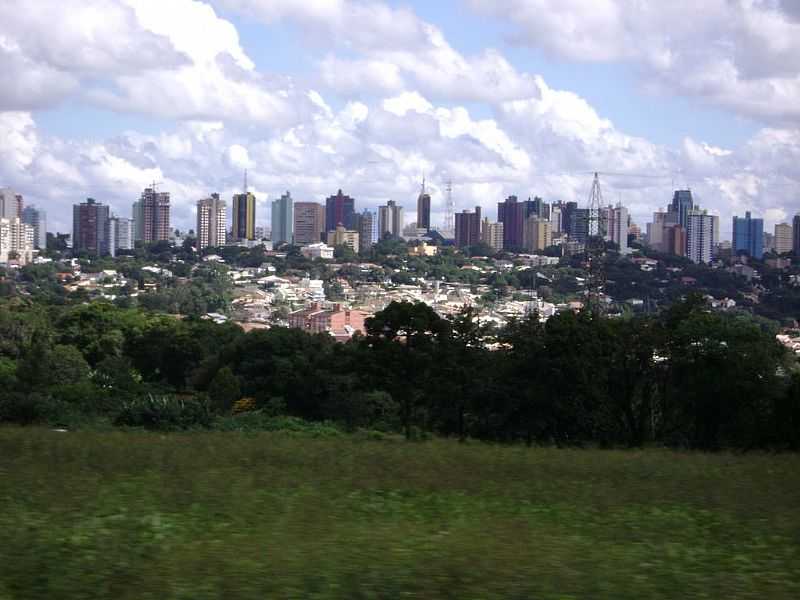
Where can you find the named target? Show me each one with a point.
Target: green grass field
(238, 516)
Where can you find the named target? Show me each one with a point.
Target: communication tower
(595, 249)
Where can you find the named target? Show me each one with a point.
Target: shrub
(165, 413)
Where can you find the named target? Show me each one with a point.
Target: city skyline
(302, 97)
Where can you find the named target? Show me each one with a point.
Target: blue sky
(503, 96)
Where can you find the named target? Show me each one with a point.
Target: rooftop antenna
(245, 181)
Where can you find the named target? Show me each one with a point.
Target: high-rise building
(700, 236)
(16, 240)
(123, 233)
(90, 228)
(10, 203)
(390, 220)
(579, 225)
(120, 234)
(309, 223)
(492, 234)
(748, 236)
(244, 217)
(38, 220)
(211, 222)
(343, 237)
(367, 230)
(568, 216)
(137, 215)
(424, 209)
(468, 228)
(154, 215)
(282, 220)
(617, 227)
(556, 220)
(783, 238)
(513, 214)
(538, 235)
(674, 239)
(339, 210)
(540, 208)
(682, 203)
(796, 235)
(715, 242)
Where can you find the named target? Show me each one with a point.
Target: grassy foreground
(239, 516)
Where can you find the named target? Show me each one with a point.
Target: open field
(239, 516)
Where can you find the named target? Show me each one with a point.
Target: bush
(164, 413)
(262, 421)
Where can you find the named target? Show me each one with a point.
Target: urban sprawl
(529, 260)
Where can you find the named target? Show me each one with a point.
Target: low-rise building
(340, 322)
(423, 249)
(320, 250)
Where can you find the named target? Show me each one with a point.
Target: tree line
(687, 377)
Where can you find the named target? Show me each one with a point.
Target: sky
(527, 97)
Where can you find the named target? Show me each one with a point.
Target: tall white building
(390, 220)
(211, 221)
(700, 236)
(556, 219)
(38, 220)
(16, 241)
(120, 234)
(617, 227)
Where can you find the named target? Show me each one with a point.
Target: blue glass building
(748, 236)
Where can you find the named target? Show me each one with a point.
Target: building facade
(10, 204)
(617, 227)
(38, 220)
(318, 250)
(424, 209)
(674, 239)
(700, 236)
(748, 236)
(243, 217)
(283, 220)
(468, 228)
(796, 235)
(343, 237)
(512, 214)
(682, 203)
(16, 241)
(390, 220)
(783, 238)
(538, 234)
(309, 223)
(340, 322)
(212, 218)
(90, 228)
(154, 215)
(339, 210)
(120, 234)
(492, 234)
(367, 230)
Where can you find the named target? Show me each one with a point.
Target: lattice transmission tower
(595, 249)
(449, 208)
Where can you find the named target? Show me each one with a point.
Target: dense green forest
(685, 378)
